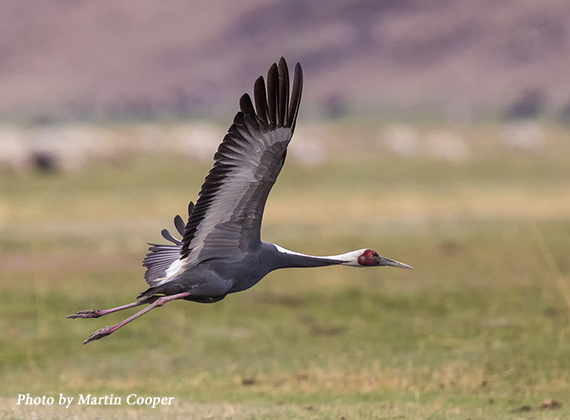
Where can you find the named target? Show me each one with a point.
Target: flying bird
(221, 251)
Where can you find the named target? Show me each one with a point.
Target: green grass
(478, 329)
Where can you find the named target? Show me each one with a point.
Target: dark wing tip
(283, 92)
(277, 106)
(295, 96)
(272, 94)
(260, 97)
(246, 106)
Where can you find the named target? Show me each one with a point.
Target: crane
(221, 251)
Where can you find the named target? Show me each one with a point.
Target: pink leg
(104, 332)
(96, 313)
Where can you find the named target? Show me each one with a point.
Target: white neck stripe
(349, 258)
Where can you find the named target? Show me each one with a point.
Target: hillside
(77, 58)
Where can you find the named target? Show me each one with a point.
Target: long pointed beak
(392, 263)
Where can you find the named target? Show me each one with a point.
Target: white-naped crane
(221, 251)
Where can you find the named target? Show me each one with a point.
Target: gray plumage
(221, 251)
(225, 224)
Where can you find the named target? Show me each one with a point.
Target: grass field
(479, 330)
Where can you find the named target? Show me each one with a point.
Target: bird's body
(221, 251)
(215, 278)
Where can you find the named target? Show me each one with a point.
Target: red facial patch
(369, 258)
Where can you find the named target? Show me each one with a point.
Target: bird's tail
(146, 294)
(165, 289)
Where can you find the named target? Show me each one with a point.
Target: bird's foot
(88, 313)
(103, 332)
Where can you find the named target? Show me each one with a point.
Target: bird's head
(369, 258)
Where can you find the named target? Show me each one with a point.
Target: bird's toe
(88, 313)
(103, 332)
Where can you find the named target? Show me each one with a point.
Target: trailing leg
(96, 313)
(159, 301)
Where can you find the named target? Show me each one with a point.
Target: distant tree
(335, 106)
(529, 105)
(565, 114)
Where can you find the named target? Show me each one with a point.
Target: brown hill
(144, 57)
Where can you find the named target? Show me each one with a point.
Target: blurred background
(435, 132)
(68, 70)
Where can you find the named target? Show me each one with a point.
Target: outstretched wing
(226, 221)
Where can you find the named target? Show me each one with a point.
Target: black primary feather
(295, 97)
(260, 97)
(272, 95)
(283, 92)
